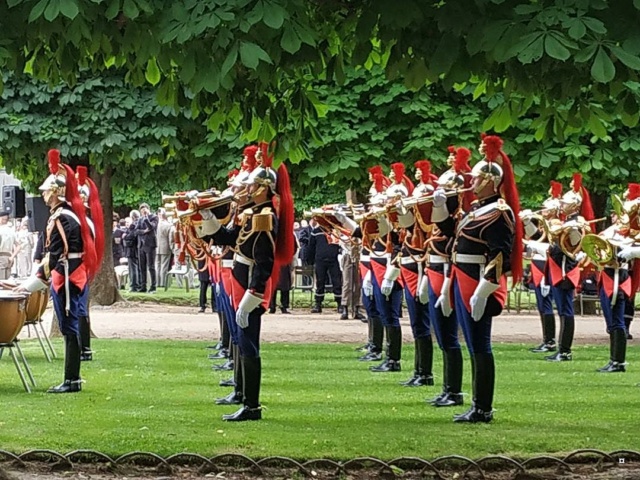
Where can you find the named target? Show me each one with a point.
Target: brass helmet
(263, 174)
(56, 182)
(400, 186)
(425, 177)
(489, 168)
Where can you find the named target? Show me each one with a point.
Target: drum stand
(40, 334)
(11, 346)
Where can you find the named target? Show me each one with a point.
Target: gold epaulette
(263, 221)
(45, 267)
(55, 215)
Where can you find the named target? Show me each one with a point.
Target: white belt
(466, 258)
(227, 263)
(74, 255)
(407, 261)
(437, 259)
(242, 259)
(365, 258)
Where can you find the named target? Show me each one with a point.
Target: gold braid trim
(497, 264)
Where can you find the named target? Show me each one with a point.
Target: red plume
(81, 170)
(375, 170)
(408, 183)
(398, 170)
(89, 259)
(285, 242)
(54, 160)
(267, 160)
(425, 167)
(577, 182)
(492, 147)
(556, 189)
(379, 182)
(97, 216)
(233, 173)
(510, 194)
(461, 164)
(586, 209)
(451, 149)
(634, 191)
(250, 153)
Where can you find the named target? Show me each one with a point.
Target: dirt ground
(155, 321)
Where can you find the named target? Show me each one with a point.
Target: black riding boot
(376, 338)
(234, 357)
(86, 355)
(548, 334)
(317, 306)
(416, 366)
(483, 386)
(452, 380)
(394, 351)
(72, 382)
(618, 352)
(252, 374)
(567, 329)
(422, 375)
(235, 397)
(445, 387)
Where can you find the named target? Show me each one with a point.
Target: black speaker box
(13, 201)
(37, 213)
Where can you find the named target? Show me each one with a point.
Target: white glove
(525, 216)
(439, 197)
(345, 221)
(538, 247)
(192, 194)
(367, 286)
(208, 227)
(206, 214)
(390, 276)
(444, 300)
(478, 300)
(629, 252)
(31, 284)
(544, 288)
(439, 212)
(423, 290)
(580, 256)
(247, 305)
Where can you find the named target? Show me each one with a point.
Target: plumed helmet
(401, 185)
(83, 185)
(249, 159)
(263, 174)
(577, 199)
(426, 178)
(57, 179)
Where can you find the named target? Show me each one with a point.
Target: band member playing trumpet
(68, 265)
(488, 245)
(262, 238)
(443, 317)
(631, 208)
(535, 228)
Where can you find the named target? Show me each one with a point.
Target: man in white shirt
(8, 246)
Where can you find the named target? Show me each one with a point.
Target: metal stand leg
(1, 352)
(17, 364)
(24, 360)
(44, 349)
(46, 338)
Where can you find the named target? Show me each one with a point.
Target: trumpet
(409, 202)
(184, 197)
(205, 203)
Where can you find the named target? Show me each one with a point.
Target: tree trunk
(54, 331)
(104, 289)
(599, 204)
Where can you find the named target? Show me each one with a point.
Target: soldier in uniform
(488, 245)
(539, 272)
(263, 241)
(631, 207)
(68, 264)
(443, 317)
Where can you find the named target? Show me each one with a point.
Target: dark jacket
(130, 238)
(146, 228)
(319, 249)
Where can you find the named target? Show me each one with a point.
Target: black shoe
(448, 400)
(364, 348)
(371, 357)
(152, 291)
(359, 316)
(202, 310)
(285, 311)
(234, 398)
(227, 383)
(316, 309)
(272, 310)
(228, 365)
(629, 336)
(244, 414)
(437, 399)
(423, 381)
(345, 315)
(612, 367)
(68, 386)
(559, 357)
(474, 415)
(387, 366)
(86, 356)
(223, 353)
(217, 346)
(142, 290)
(544, 347)
(409, 383)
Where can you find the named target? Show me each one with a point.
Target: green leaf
(290, 41)
(152, 72)
(69, 8)
(230, 61)
(38, 10)
(251, 54)
(586, 54)
(597, 127)
(555, 49)
(113, 10)
(13, 3)
(52, 11)
(626, 58)
(130, 9)
(577, 30)
(636, 3)
(603, 69)
(595, 25)
(274, 15)
(530, 48)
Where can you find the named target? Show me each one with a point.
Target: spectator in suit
(119, 229)
(130, 238)
(147, 246)
(163, 257)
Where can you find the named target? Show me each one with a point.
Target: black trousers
(147, 262)
(204, 288)
(134, 273)
(333, 268)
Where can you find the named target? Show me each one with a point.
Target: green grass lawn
(158, 396)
